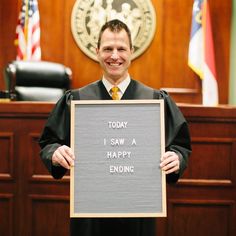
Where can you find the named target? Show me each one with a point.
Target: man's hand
(170, 162)
(63, 156)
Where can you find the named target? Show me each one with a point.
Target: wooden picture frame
(117, 146)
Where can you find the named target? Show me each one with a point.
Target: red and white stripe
(201, 52)
(28, 32)
(209, 83)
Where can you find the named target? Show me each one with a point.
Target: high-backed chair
(36, 80)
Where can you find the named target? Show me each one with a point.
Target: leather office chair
(36, 80)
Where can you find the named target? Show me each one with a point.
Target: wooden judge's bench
(202, 203)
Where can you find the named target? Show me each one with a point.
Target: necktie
(114, 92)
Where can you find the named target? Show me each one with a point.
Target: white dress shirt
(122, 86)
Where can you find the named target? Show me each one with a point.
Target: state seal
(88, 16)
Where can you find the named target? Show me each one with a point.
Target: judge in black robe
(57, 133)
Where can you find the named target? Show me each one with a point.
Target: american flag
(28, 32)
(201, 56)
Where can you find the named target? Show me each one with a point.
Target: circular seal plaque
(88, 16)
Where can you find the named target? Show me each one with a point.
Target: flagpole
(26, 27)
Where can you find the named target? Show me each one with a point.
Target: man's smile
(114, 64)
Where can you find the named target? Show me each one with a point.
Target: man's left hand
(170, 162)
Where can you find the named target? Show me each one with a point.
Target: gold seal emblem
(88, 16)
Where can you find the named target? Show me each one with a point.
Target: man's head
(115, 26)
(114, 50)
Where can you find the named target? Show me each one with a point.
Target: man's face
(114, 55)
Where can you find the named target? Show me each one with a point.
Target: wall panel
(6, 147)
(162, 65)
(205, 169)
(43, 223)
(53, 36)
(8, 20)
(6, 214)
(200, 217)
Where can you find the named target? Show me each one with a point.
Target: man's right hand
(64, 157)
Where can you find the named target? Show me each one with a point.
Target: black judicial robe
(57, 132)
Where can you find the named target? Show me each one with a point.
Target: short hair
(114, 26)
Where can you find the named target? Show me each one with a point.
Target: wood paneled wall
(162, 65)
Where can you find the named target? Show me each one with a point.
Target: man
(114, 52)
